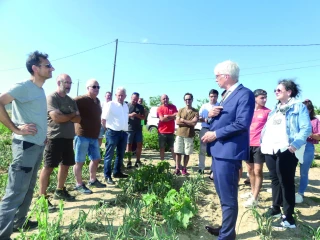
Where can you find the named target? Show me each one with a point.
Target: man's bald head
(164, 99)
(64, 83)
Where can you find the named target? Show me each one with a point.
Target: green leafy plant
(264, 223)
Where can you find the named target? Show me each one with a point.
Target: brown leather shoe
(213, 231)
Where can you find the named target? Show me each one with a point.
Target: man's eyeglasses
(217, 76)
(277, 90)
(65, 82)
(94, 87)
(188, 99)
(46, 65)
(165, 98)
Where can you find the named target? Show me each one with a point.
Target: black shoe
(129, 165)
(272, 213)
(83, 189)
(96, 184)
(138, 164)
(120, 175)
(63, 195)
(247, 181)
(51, 208)
(201, 171)
(28, 226)
(110, 181)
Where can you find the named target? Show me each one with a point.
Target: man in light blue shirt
(203, 117)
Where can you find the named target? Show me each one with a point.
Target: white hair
(228, 67)
(90, 81)
(121, 89)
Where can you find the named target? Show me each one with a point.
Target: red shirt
(166, 127)
(259, 119)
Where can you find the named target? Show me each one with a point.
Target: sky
(64, 28)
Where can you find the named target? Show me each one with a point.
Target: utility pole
(114, 68)
(78, 88)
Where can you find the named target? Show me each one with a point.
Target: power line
(249, 74)
(223, 45)
(57, 59)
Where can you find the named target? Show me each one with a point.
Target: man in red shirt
(167, 114)
(255, 163)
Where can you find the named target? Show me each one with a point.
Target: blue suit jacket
(232, 126)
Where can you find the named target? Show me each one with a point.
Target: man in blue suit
(228, 138)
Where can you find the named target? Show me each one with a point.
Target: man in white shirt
(115, 116)
(108, 98)
(203, 117)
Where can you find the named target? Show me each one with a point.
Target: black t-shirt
(134, 122)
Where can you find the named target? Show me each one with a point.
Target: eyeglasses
(66, 82)
(188, 99)
(278, 90)
(94, 87)
(165, 98)
(217, 76)
(46, 65)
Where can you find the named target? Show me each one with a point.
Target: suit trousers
(282, 168)
(226, 175)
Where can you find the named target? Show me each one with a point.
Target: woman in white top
(285, 132)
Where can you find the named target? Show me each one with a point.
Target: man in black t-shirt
(136, 114)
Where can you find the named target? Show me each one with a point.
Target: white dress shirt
(116, 115)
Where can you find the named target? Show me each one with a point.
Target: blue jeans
(304, 168)
(22, 177)
(115, 139)
(84, 146)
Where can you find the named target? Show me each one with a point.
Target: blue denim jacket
(298, 123)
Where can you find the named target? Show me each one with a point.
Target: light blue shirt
(204, 111)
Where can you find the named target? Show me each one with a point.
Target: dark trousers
(226, 175)
(115, 140)
(282, 168)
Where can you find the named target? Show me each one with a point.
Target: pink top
(315, 123)
(259, 119)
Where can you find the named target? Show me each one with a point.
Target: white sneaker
(269, 190)
(251, 202)
(299, 198)
(246, 195)
(286, 224)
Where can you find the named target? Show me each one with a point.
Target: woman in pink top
(309, 152)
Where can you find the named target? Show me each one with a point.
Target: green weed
(264, 223)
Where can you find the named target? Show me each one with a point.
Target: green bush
(150, 141)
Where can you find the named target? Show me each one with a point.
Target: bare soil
(209, 206)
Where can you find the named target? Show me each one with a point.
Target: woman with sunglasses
(309, 151)
(285, 132)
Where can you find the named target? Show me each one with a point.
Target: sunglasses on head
(46, 65)
(94, 87)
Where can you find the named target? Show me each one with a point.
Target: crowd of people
(64, 132)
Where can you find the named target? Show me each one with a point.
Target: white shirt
(204, 111)
(275, 137)
(116, 115)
